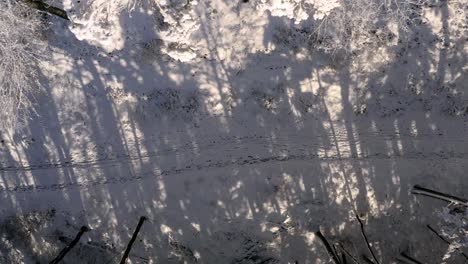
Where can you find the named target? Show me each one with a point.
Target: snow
(219, 122)
(299, 10)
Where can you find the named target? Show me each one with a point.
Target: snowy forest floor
(222, 124)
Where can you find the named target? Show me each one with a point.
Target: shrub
(347, 27)
(19, 51)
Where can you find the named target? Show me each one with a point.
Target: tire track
(244, 161)
(108, 158)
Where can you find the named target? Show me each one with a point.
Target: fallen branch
(365, 238)
(75, 241)
(327, 245)
(367, 260)
(343, 259)
(408, 259)
(41, 6)
(349, 254)
(446, 241)
(438, 195)
(132, 240)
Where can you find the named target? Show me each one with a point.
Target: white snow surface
(220, 122)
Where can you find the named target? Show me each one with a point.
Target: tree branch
(438, 195)
(327, 245)
(132, 240)
(367, 260)
(409, 259)
(349, 254)
(75, 241)
(365, 238)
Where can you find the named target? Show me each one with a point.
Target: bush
(354, 22)
(19, 52)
